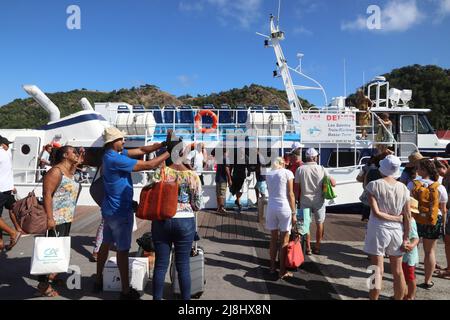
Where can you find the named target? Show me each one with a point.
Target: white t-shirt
(7, 180)
(310, 177)
(443, 196)
(45, 157)
(198, 160)
(391, 199)
(277, 182)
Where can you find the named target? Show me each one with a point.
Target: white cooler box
(138, 268)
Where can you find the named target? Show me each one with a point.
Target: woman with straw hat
(410, 171)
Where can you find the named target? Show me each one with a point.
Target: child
(411, 257)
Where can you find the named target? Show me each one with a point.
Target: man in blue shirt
(117, 206)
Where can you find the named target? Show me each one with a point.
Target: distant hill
(26, 113)
(248, 95)
(431, 90)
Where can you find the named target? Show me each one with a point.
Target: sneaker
(131, 295)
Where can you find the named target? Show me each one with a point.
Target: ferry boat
(343, 144)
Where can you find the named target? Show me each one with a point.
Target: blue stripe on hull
(72, 121)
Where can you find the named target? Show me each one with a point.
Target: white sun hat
(390, 166)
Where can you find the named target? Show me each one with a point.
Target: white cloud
(444, 6)
(302, 31)
(242, 12)
(186, 81)
(307, 7)
(443, 9)
(398, 15)
(190, 6)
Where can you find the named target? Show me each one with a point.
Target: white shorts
(276, 220)
(318, 213)
(381, 241)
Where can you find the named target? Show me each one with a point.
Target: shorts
(409, 272)
(221, 190)
(276, 220)
(381, 241)
(118, 229)
(236, 186)
(261, 186)
(318, 213)
(6, 201)
(430, 232)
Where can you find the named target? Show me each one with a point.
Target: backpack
(428, 198)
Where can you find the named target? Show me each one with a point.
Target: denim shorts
(118, 229)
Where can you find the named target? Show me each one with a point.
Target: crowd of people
(392, 201)
(389, 202)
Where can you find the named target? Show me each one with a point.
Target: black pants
(63, 230)
(201, 179)
(365, 212)
(6, 201)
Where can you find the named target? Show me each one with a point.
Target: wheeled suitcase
(197, 267)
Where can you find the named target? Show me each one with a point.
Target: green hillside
(26, 113)
(431, 90)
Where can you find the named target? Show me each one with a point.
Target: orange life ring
(198, 119)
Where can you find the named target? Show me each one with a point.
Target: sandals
(308, 252)
(286, 276)
(444, 274)
(14, 241)
(58, 282)
(48, 292)
(426, 286)
(93, 257)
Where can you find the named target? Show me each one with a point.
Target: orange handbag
(158, 201)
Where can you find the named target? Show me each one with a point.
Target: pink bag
(294, 253)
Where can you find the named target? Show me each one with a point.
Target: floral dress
(65, 200)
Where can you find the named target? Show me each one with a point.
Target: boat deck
(236, 257)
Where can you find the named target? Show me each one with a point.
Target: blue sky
(204, 46)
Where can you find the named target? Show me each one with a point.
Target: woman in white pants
(280, 213)
(388, 227)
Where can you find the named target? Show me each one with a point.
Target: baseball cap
(311, 152)
(296, 145)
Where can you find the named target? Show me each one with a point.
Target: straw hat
(414, 158)
(112, 134)
(414, 205)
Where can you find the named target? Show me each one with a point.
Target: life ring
(198, 119)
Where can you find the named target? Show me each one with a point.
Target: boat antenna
(279, 11)
(345, 78)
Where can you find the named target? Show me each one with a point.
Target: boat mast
(294, 102)
(276, 36)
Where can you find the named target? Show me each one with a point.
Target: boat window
(346, 159)
(408, 124)
(424, 126)
(25, 149)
